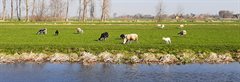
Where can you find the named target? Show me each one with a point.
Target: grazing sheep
(130, 37)
(181, 25)
(79, 30)
(42, 31)
(56, 33)
(161, 26)
(182, 33)
(103, 36)
(167, 40)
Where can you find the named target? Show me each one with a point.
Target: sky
(131, 7)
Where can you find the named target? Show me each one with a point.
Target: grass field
(200, 37)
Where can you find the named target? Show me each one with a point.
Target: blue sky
(124, 7)
(172, 6)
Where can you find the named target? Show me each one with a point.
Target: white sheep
(181, 25)
(79, 30)
(182, 33)
(167, 40)
(130, 37)
(161, 26)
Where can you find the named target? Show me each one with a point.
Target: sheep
(161, 26)
(167, 40)
(181, 25)
(56, 33)
(130, 37)
(42, 31)
(103, 36)
(79, 30)
(182, 33)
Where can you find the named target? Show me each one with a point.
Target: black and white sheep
(182, 33)
(129, 37)
(42, 31)
(103, 36)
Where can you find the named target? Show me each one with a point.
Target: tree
(17, 5)
(92, 9)
(66, 17)
(33, 7)
(160, 11)
(85, 3)
(225, 14)
(4, 9)
(20, 9)
(179, 14)
(27, 16)
(11, 9)
(57, 8)
(40, 11)
(105, 10)
(79, 10)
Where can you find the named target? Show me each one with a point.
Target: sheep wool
(167, 40)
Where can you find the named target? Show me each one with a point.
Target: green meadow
(199, 38)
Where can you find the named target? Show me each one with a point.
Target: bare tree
(57, 8)
(179, 15)
(180, 10)
(11, 9)
(160, 11)
(4, 9)
(17, 10)
(105, 10)
(27, 16)
(80, 10)
(66, 19)
(33, 7)
(225, 14)
(20, 9)
(92, 9)
(41, 11)
(85, 5)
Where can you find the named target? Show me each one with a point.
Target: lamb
(79, 30)
(129, 37)
(167, 40)
(161, 26)
(103, 36)
(42, 31)
(182, 33)
(181, 25)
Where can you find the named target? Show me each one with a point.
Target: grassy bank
(216, 38)
(203, 43)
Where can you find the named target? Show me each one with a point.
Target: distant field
(221, 37)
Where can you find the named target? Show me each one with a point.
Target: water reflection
(48, 72)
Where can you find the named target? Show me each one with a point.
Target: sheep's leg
(124, 41)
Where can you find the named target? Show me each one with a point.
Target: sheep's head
(163, 38)
(122, 36)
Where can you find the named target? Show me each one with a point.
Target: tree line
(51, 10)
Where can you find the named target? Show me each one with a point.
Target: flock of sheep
(168, 39)
(127, 38)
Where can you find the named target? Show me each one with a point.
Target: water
(66, 72)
